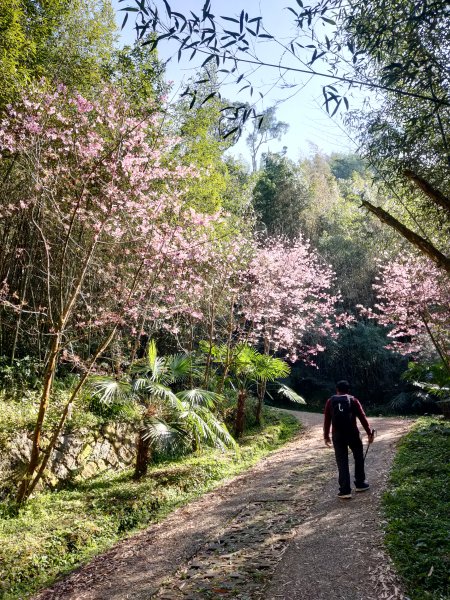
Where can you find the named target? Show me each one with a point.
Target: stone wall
(78, 454)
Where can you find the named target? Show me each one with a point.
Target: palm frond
(179, 366)
(207, 428)
(162, 435)
(219, 352)
(269, 368)
(109, 389)
(220, 431)
(164, 393)
(140, 383)
(244, 358)
(289, 393)
(405, 401)
(156, 365)
(199, 397)
(159, 370)
(433, 388)
(140, 368)
(152, 354)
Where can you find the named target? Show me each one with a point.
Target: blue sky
(309, 125)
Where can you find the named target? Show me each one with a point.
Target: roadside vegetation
(57, 531)
(417, 510)
(152, 282)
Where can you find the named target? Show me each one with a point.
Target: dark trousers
(342, 442)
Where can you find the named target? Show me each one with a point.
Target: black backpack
(341, 412)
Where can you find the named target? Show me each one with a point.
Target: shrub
(416, 507)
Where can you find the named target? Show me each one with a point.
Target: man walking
(341, 411)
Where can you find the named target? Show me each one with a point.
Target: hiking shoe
(362, 488)
(344, 496)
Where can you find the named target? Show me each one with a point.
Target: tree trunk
(29, 483)
(436, 344)
(258, 412)
(210, 348)
(259, 406)
(240, 414)
(418, 241)
(142, 457)
(37, 435)
(261, 387)
(433, 194)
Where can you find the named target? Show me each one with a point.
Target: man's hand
(327, 442)
(371, 436)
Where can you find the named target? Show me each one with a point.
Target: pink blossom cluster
(106, 203)
(414, 302)
(115, 244)
(288, 302)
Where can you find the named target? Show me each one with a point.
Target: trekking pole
(373, 434)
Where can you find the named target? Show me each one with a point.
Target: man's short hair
(343, 386)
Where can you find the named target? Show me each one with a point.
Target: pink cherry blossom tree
(289, 304)
(414, 301)
(97, 229)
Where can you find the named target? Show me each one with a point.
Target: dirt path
(275, 532)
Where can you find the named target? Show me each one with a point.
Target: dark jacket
(357, 412)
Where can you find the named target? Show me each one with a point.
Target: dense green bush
(124, 410)
(19, 375)
(358, 355)
(417, 510)
(427, 383)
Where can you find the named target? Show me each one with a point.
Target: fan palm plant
(170, 419)
(249, 368)
(267, 369)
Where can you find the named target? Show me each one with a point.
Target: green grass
(57, 531)
(417, 507)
